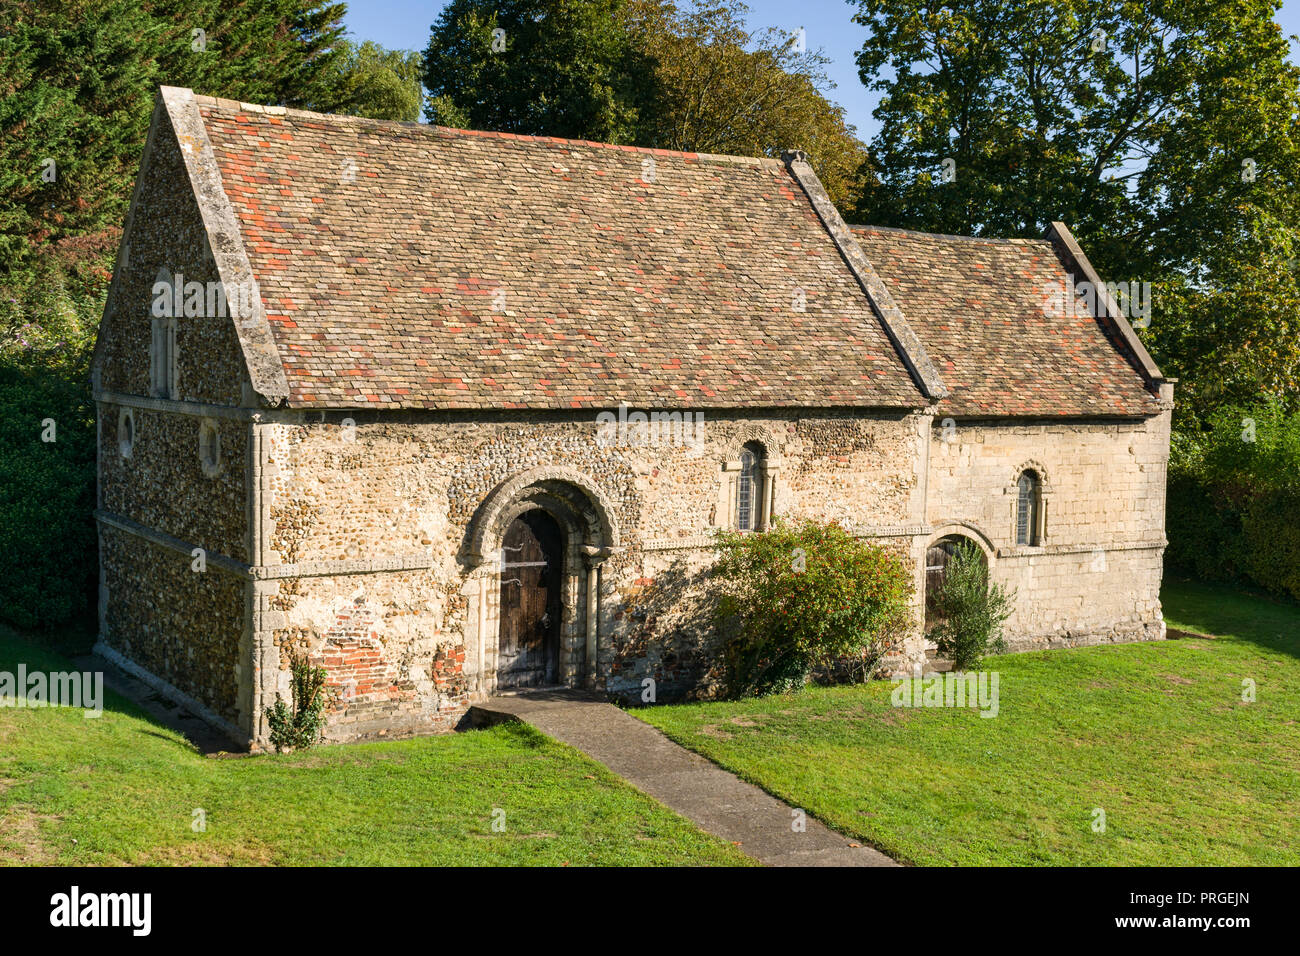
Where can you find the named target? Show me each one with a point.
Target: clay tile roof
(985, 311)
(409, 266)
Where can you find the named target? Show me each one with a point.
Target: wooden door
(936, 562)
(937, 557)
(528, 652)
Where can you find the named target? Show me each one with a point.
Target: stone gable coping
(1063, 241)
(262, 357)
(905, 341)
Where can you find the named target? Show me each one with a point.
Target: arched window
(749, 488)
(1028, 506)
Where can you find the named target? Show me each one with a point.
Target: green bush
(1270, 541)
(1204, 533)
(48, 552)
(301, 727)
(802, 597)
(1233, 509)
(49, 310)
(970, 611)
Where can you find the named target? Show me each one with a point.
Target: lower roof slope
(989, 314)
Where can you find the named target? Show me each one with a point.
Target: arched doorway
(937, 556)
(532, 575)
(536, 547)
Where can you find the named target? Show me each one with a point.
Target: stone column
(767, 509)
(730, 478)
(593, 557)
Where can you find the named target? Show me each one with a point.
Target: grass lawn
(121, 789)
(1156, 735)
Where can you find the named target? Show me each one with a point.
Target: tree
(77, 86)
(970, 610)
(274, 52)
(639, 72)
(367, 80)
(79, 80)
(1163, 132)
(543, 67)
(720, 87)
(76, 80)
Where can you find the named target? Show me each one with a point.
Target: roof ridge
(237, 106)
(855, 227)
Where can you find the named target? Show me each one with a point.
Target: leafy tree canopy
(639, 72)
(1163, 132)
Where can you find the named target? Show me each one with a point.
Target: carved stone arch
(564, 489)
(741, 435)
(1012, 490)
(577, 529)
(964, 529)
(733, 442)
(586, 518)
(1037, 468)
(930, 576)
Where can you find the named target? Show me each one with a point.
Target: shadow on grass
(35, 654)
(1224, 611)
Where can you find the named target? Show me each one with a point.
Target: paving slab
(715, 800)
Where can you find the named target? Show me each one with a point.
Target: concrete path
(714, 799)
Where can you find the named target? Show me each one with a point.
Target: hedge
(1233, 510)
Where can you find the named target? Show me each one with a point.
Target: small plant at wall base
(301, 727)
(970, 611)
(804, 597)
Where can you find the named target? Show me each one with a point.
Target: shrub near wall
(1233, 509)
(804, 597)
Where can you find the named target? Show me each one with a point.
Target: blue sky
(404, 24)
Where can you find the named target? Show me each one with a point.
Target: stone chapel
(456, 412)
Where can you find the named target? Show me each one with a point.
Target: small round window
(125, 432)
(209, 447)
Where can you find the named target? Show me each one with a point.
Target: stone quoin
(397, 456)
